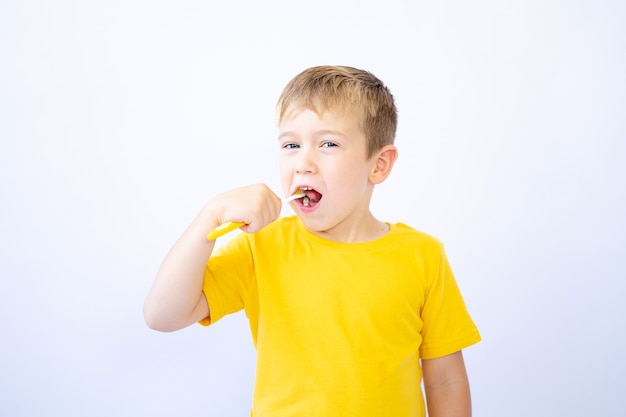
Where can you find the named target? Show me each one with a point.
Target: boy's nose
(305, 163)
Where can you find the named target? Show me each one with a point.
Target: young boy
(347, 312)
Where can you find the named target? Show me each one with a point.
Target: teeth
(306, 201)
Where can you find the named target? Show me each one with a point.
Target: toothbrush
(226, 227)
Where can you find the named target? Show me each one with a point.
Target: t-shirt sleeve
(447, 325)
(227, 278)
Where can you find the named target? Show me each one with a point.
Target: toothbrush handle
(292, 197)
(223, 228)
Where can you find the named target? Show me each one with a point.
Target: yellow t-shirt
(339, 328)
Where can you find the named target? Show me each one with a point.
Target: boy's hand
(255, 205)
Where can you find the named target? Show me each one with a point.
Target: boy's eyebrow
(317, 133)
(283, 134)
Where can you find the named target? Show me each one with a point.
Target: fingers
(265, 207)
(255, 205)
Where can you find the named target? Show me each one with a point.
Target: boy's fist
(255, 205)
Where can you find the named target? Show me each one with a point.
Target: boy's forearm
(447, 387)
(173, 301)
(450, 401)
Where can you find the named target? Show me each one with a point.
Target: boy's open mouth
(312, 197)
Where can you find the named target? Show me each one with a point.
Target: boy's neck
(366, 229)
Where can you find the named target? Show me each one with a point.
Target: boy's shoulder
(411, 232)
(413, 237)
(405, 229)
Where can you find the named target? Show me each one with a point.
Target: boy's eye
(328, 144)
(290, 146)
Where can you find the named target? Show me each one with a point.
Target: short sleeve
(447, 325)
(228, 275)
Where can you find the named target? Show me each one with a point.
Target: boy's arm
(446, 386)
(176, 299)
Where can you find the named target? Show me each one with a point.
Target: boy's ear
(383, 160)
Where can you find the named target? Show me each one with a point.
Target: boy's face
(327, 156)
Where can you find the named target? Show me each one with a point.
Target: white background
(119, 119)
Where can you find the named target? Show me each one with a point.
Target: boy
(347, 312)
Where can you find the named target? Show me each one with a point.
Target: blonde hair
(349, 92)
